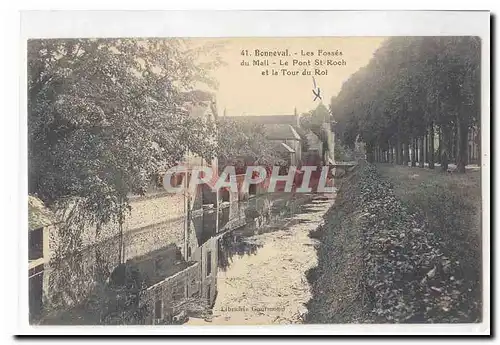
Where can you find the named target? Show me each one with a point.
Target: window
(157, 264)
(209, 263)
(158, 309)
(252, 189)
(189, 253)
(35, 291)
(208, 293)
(35, 244)
(176, 179)
(224, 193)
(158, 296)
(178, 292)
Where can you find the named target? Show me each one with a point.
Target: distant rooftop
(266, 119)
(281, 131)
(276, 126)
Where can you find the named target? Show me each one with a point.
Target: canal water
(264, 281)
(244, 264)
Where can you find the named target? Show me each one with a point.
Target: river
(266, 283)
(245, 266)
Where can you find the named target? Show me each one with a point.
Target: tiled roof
(266, 119)
(276, 126)
(281, 131)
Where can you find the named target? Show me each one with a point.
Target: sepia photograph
(251, 180)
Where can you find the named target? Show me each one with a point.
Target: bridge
(342, 168)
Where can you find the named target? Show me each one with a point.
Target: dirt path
(270, 287)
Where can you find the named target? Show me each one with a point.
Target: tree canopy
(411, 86)
(241, 144)
(315, 120)
(106, 114)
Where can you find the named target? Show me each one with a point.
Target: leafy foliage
(315, 120)
(410, 85)
(104, 115)
(240, 144)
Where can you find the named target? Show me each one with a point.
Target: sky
(243, 90)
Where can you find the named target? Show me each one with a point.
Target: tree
(315, 121)
(104, 115)
(411, 86)
(243, 144)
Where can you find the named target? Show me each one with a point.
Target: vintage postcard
(300, 179)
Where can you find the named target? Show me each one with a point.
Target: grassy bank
(394, 249)
(449, 205)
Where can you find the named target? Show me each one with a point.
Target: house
(201, 105)
(41, 221)
(291, 139)
(280, 129)
(314, 152)
(156, 219)
(165, 287)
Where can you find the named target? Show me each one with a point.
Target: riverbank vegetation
(399, 247)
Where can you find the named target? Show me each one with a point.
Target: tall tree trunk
(477, 138)
(444, 147)
(431, 146)
(452, 145)
(440, 144)
(462, 136)
(120, 249)
(413, 153)
(417, 149)
(406, 153)
(398, 151)
(426, 147)
(421, 150)
(369, 152)
(402, 154)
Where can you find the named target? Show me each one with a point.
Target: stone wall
(162, 212)
(190, 291)
(153, 237)
(154, 222)
(172, 294)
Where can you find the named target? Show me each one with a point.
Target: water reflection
(234, 244)
(158, 283)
